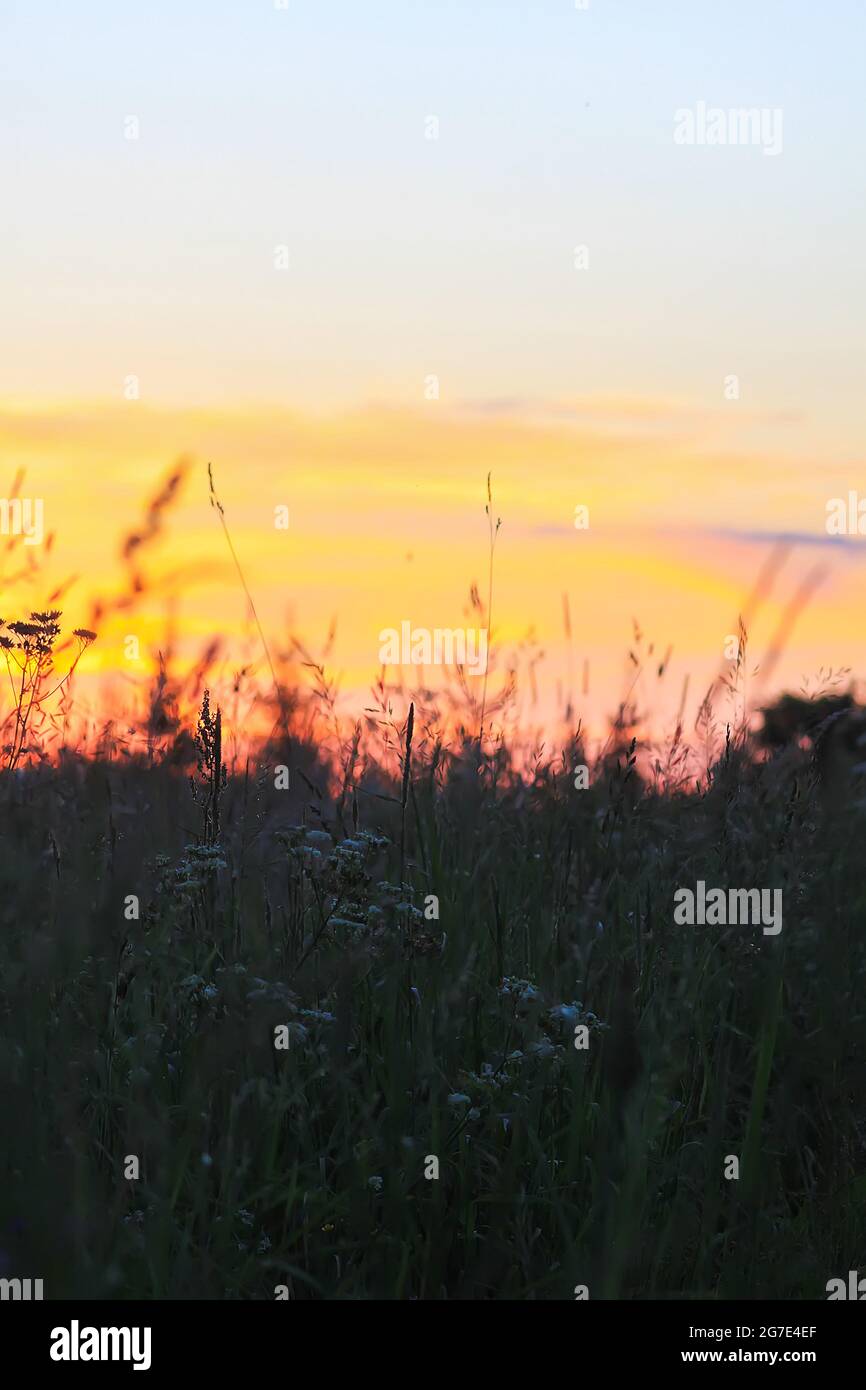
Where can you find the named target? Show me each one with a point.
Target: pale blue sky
(408, 256)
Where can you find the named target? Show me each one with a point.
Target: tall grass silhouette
(435, 932)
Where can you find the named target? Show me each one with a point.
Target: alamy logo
(76, 1343)
(23, 516)
(741, 125)
(846, 518)
(440, 647)
(734, 907)
(856, 1289)
(21, 1290)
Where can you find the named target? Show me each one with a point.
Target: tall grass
(432, 962)
(558, 1166)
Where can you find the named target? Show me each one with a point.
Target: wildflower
(349, 848)
(371, 840)
(458, 1098)
(565, 1013)
(489, 1078)
(522, 991)
(376, 1184)
(198, 989)
(319, 840)
(392, 890)
(206, 858)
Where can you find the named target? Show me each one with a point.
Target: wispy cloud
(621, 410)
(810, 538)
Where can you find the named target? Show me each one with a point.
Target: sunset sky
(412, 258)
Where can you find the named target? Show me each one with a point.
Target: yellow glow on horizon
(387, 523)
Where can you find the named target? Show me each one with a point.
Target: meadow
(402, 1011)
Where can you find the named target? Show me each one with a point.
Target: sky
(359, 256)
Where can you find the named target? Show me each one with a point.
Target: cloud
(810, 538)
(621, 410)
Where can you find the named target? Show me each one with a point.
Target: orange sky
(387, 523)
